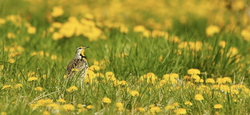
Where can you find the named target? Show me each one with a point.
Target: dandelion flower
(198, 97)
(193, 71)
(210, 80)
(57, 11)
(31, 30)
(6, 86)
(106, 100)
(61, 101)
(134, 93)
(1, 67)
(32, 78)
(169, 107)
(222, 44)
(155, 109)
(139, 28)
(3, 113)
(46, 113)
(181, 111)
(119, 106)
(18, 85)
(81, 110)
(90, 107)
(176, 104)
(211, 30)
(53, 105)
(94, 68)
(140, 109)
(57, 25)
(188, 103)
(227, 80)
(38, 88)
(71, 89)
(218, 106)
(11, 60)
(68, 107)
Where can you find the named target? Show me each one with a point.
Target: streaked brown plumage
(78, 65)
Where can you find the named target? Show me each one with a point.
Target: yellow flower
(11, 60)
(219, 80)
(196, 77)
(222, 44)
(2, 21)
(245, 33)
(123, 29)
(53, 57)
(18, 85)
(68, 107)
(193, 71)
(53, 105)
(1, 67)
(151, 78)
(57, 36)
(181, 111)
(56, 24)
(140, 109)
(90, 107)
(89, 16)
(106, 100)
(146, 33)
(38, 88)
(176, 104)
(139, 28)
(94, 68)
(57, 11)
(169, 107)
(71, 89)
(109, 74)
(155, 109)
(61, 101)
(188, 103)
(31, 30)
(134, 93)
(218, 106)
(227, 80)
(11, 36)
(81, 110)
(210, 80)
(46, 113)
(198, 97)
(238, 5)
(6, 86)
(34, 106)
(211, 30)
(224, 88)
(232, 52)
(119, 106)
(3, 113)
(32, 78)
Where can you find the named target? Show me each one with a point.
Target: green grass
(142, 57)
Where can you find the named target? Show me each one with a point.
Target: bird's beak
(84, 47)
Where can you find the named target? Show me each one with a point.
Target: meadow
(145, 57)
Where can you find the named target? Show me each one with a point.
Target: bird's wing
(72, 64)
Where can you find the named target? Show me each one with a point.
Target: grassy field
(145, 57)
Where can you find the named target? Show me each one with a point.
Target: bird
(78, 66)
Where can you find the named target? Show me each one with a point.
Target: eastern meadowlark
(78, 65)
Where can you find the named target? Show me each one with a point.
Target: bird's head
(80, 51)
